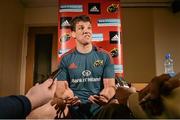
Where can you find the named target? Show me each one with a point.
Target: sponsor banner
(71, 8)
(97, 37)
(118, 68)
(109, 22)
(106, 27)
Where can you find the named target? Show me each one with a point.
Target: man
(20, 106)
(159, 99)
(86, 77)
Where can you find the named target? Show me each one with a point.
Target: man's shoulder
(69, 53)
(102, 51)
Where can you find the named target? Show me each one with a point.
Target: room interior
(150, 30)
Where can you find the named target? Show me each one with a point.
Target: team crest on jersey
(98, 63)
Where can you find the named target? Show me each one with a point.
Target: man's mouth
(87, 35)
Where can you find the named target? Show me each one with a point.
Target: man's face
(83, 32)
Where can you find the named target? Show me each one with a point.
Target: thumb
(48, 82)
(54, 84)
(66, 85)
(36, 84)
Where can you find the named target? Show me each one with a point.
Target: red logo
(72, 66)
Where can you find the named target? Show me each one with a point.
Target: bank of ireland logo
(94, 8)
(86, 73)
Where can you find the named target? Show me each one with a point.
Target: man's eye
(80, 28)
(89, 27)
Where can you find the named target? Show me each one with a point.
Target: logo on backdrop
(114, 52)
(62, 51)
(114, 37)
(113, 8)
(65, 22)
(94, 8)
(71, 8)
(65, 38)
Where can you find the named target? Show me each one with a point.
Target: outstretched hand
(41, 93)
(98, 99)
(104, 96)
(150, 96)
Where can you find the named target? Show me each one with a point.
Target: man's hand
(41, 93)
(98, 99)
(67, 96)
(123, 93)
(150, 96)
(104, 96)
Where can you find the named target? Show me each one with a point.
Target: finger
(47, 83)
(96, 96)
(75, 99)
(36, 84)
(66, 85)
(53, 85)
(95, 99)
(156, 83)
(104, 97)
(77, 102)
(171, 84)
(91, 99)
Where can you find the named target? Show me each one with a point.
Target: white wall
(167, 37)
(42, 16)
(138, 44)
(145, 38)
(11, 29)
(148, 34)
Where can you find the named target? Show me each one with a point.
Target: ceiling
(51, 3)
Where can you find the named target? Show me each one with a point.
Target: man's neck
(84, 48)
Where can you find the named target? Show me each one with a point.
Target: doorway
(41, 57)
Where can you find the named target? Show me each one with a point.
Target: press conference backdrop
(106, 25)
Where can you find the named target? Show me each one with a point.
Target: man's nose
(86, 31)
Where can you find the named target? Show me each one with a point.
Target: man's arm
(106, 94)
(63, 91)
(20, 106)
(109, 89)
(65, 95)
(14, 107)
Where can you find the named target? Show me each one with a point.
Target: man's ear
(73, 34)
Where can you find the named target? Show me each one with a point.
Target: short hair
(77, 19)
